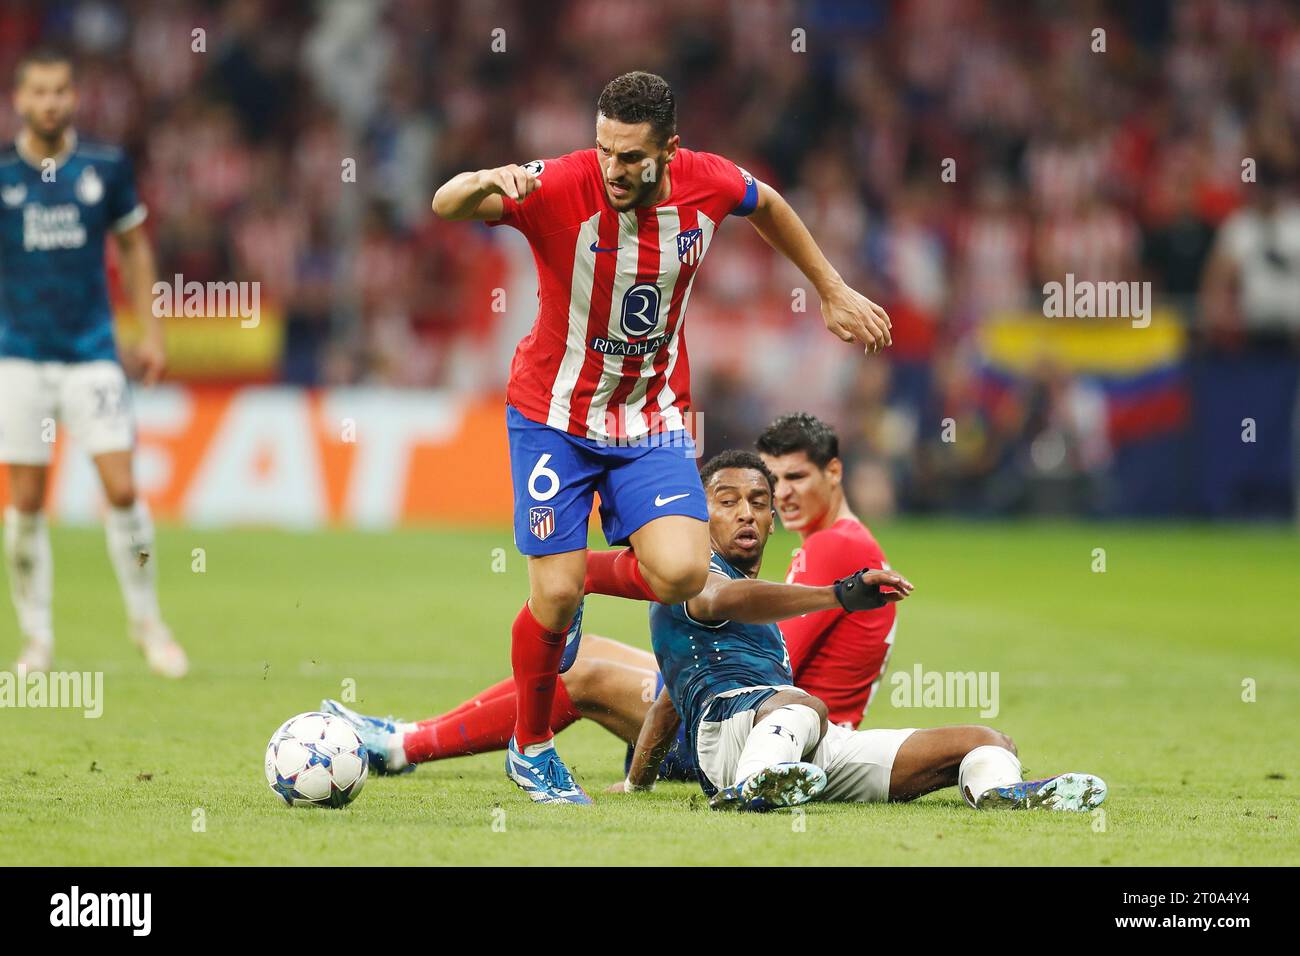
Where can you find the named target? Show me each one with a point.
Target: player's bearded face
(46, 98)
(632, 161)
(740, 516)
(644, 183)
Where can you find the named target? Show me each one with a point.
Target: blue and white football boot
(772, 788)
(572, 638)
(543, 775)
(375, 733)
(1074, 792)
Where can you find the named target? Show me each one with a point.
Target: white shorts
(857, 762)
(90, 399)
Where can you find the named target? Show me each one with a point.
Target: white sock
(396, 747)
(30, 563)
(985, 768)
(783, 736)
(131, 549)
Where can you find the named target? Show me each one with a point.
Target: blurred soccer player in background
(599, 391)
(60, 198)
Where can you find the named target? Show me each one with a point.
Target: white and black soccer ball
(316, 760)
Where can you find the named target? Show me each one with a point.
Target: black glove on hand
(854, 594)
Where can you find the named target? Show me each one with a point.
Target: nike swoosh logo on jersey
(596, 248)
(660, 502)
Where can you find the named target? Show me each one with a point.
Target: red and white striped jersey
(606, 358)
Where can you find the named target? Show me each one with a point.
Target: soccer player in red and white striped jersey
(837, 656)
(592, 367)
(599, 391)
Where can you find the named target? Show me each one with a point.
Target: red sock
(617, 573)
(505, 688)
(481, 729)
(535, 656)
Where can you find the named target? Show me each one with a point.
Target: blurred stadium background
(370, 390)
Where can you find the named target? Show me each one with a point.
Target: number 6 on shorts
(541, 471)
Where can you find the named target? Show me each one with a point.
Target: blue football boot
(543, 776)
(374, 733)
(1074, 792)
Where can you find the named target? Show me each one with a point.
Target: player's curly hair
(736, 458)
(640, 97)
(800, 431)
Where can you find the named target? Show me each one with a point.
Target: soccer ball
(316, 760)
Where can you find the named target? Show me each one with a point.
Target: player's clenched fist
(513, 181)
(852, 316)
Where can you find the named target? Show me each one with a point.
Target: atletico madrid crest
(541, 522)
(690, 246)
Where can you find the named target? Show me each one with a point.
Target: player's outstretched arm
(477, 195)
(848, 314)
(653, 744)
(750, 601)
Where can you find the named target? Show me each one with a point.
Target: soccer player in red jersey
(599, 390)
(836, 656)
(747, 733)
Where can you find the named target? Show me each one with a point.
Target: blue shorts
(556, 475)
(679, 764)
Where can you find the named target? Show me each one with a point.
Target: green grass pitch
(1137, 674)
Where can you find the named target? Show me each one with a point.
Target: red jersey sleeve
(547, 208)
(824, 558)
(816, 564)
(737, 189)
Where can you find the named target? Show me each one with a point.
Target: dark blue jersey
(53, 224)
(700, 660)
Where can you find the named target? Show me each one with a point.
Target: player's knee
(680, 580)
(802, 699)
(555, 602)
(823, 712)
(120, 496)
(578, 681)
(817, 704)
(988, 737)
(27, 501)
(26, 492)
